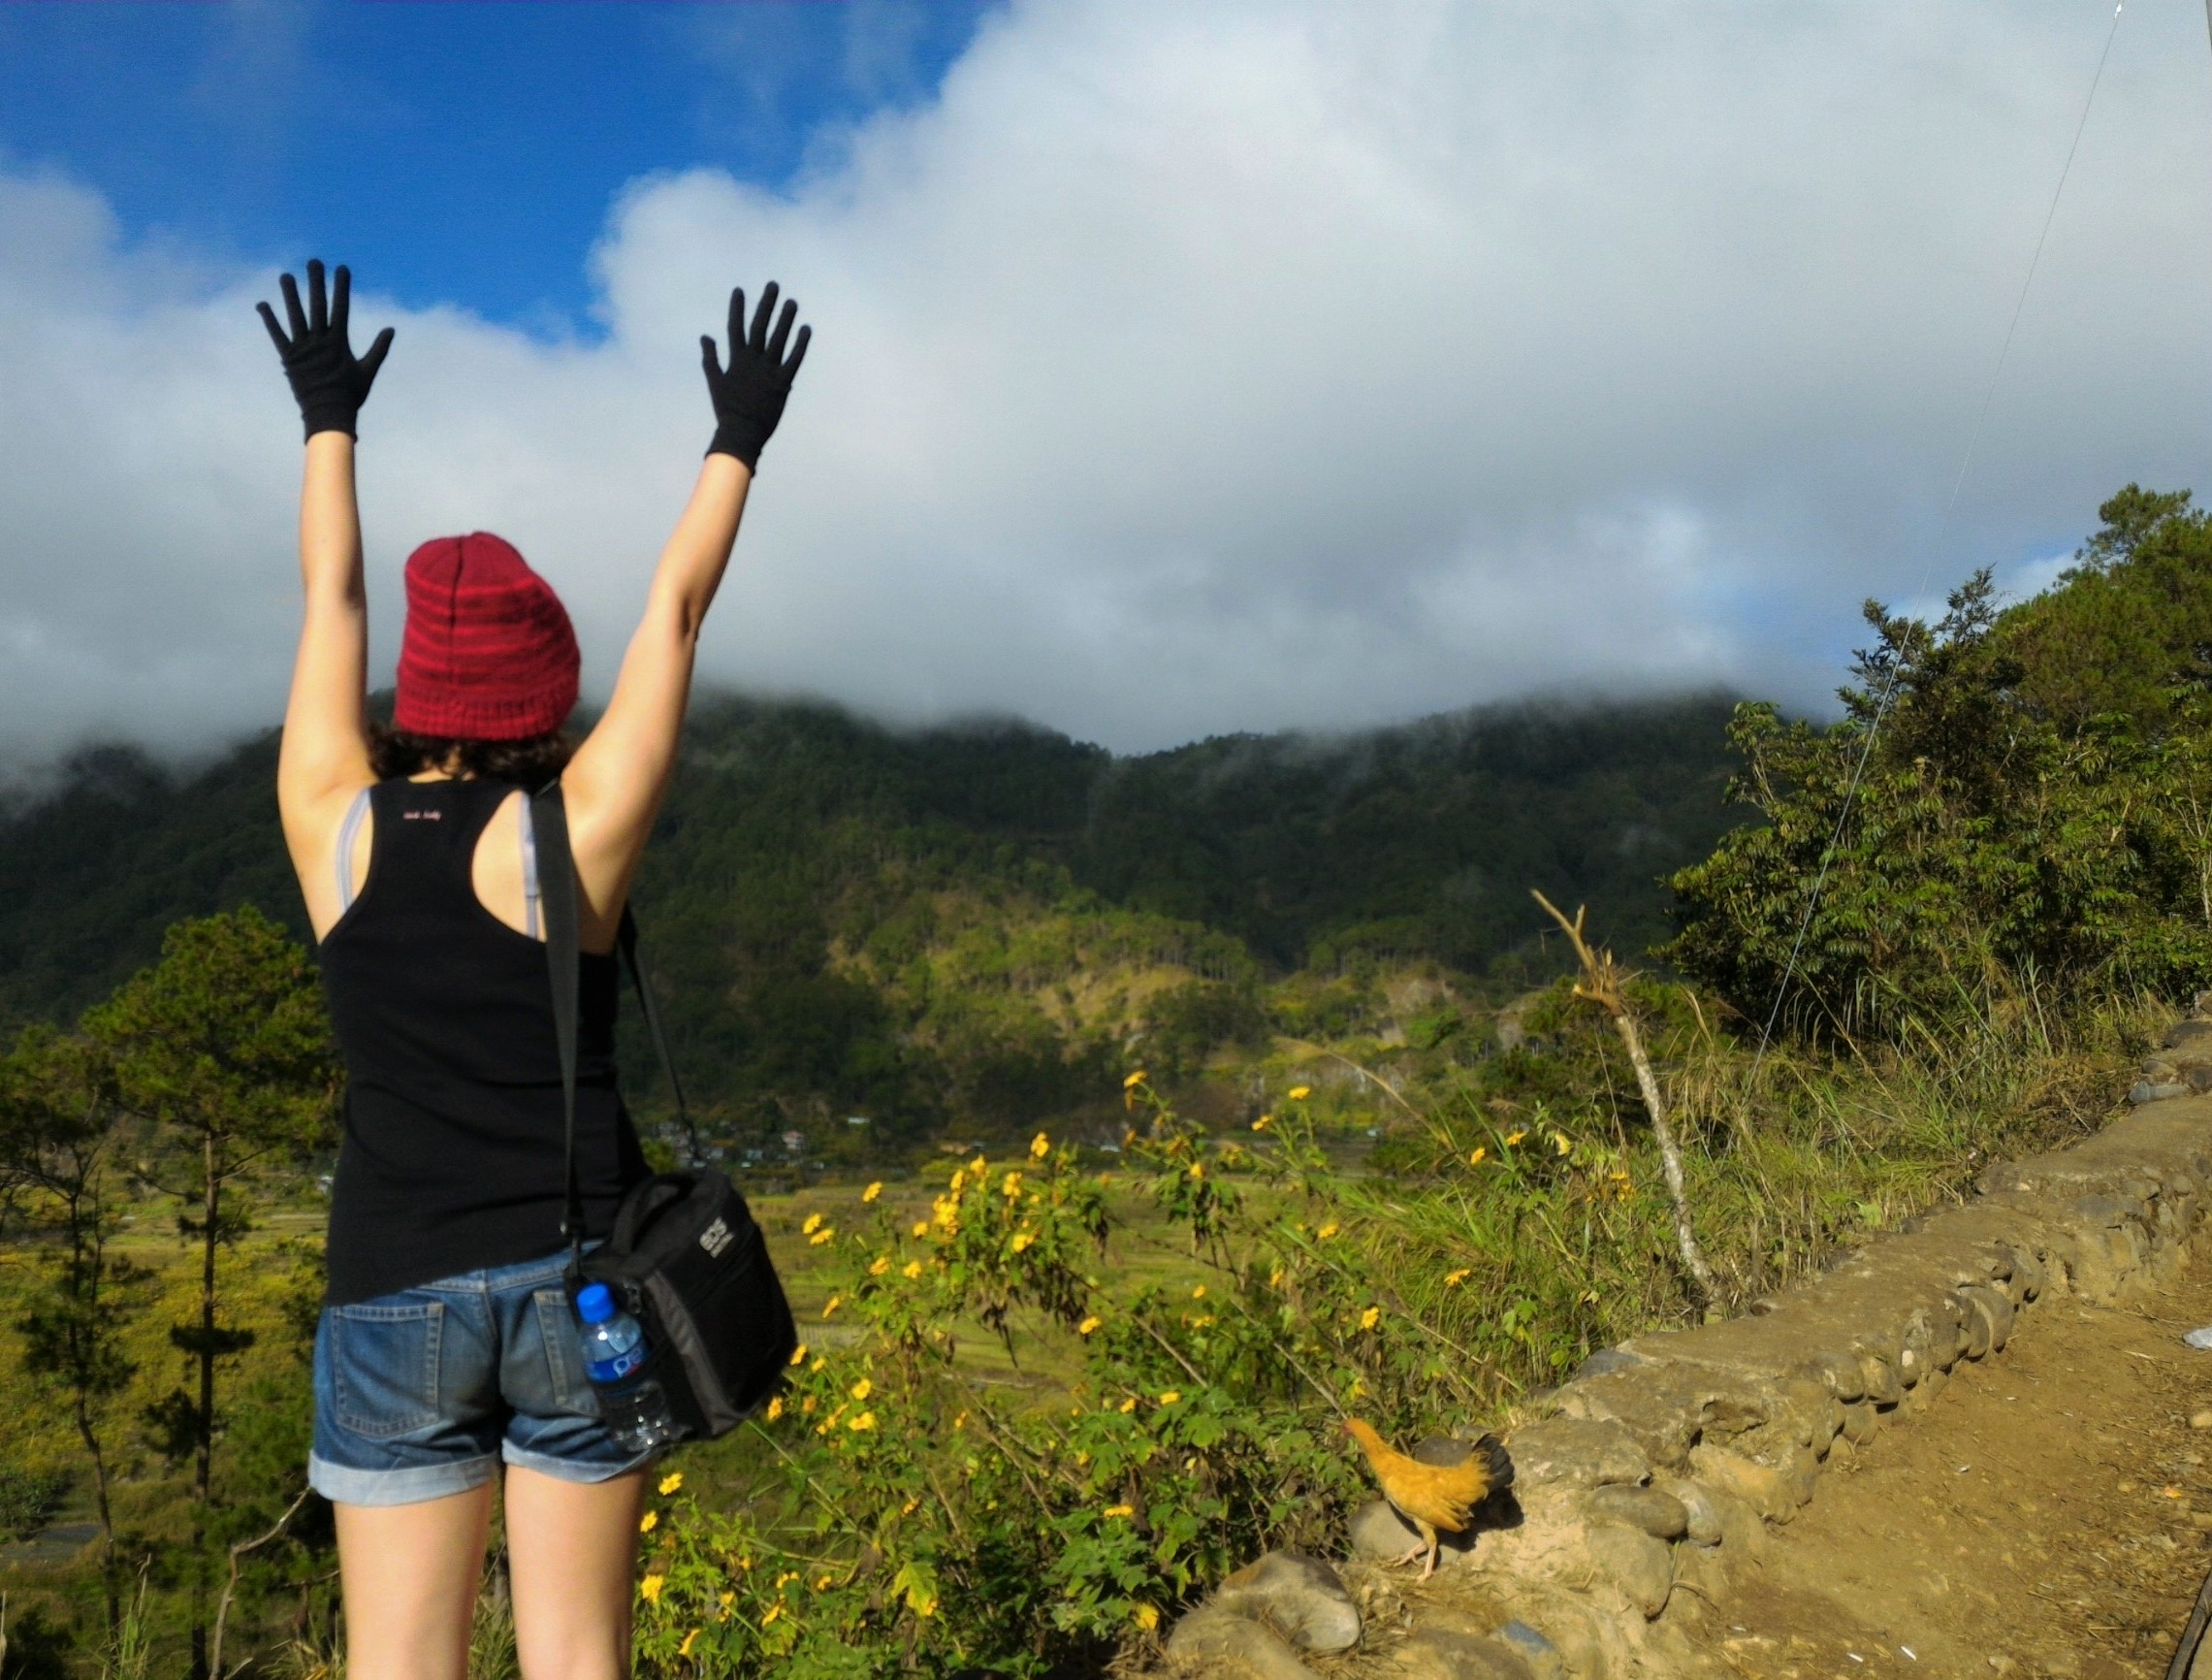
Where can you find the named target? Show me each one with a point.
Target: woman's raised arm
(616, 780)
(324, 755)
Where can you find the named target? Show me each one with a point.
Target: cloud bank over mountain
(1181, 370)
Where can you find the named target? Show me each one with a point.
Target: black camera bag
(686, 1257)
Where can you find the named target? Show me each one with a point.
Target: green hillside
(979, 923)
(1157, 1288)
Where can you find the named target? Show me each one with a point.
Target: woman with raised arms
(447, 1358)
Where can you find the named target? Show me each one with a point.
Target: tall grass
(490, 1642)
(1558, 1232)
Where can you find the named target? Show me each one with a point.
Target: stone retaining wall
(1665, 1461)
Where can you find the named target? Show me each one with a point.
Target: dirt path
(2051, 1514)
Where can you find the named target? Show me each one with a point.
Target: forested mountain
(979, 922)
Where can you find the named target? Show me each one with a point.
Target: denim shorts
(421, 1394)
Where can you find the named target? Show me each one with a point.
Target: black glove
(749, 398)
(329, 384)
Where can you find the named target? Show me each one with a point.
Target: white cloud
(1183, 369)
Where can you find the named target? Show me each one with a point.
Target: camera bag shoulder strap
(564, 960)
(634, 959)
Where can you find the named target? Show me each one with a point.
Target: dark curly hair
(530, 763)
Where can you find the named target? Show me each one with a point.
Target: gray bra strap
(528, 826)
(349, 832)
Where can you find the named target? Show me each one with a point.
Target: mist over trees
(976, 922)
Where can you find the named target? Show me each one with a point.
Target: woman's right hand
(748, 396)
(327, 381)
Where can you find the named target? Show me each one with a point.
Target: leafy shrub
(926, 1518)
(1981, 821)
(29, 1500)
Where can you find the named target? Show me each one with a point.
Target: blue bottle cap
(594, 1303)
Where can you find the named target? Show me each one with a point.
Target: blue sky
(1181, 367)
(461, 153)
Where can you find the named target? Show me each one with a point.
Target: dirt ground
(2051, 1514)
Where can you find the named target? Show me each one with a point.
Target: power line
(1966, 462)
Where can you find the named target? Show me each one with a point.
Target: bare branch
(1601, 983)
(231, 1587)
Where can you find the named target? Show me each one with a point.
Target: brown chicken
(1433, 1496)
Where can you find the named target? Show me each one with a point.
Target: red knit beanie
(488, 654)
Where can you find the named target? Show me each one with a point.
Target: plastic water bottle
(633, 1407)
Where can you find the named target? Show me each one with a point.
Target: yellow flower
(770, 1614)
(1039, 1147)
(1513, 1138)
(1171, 1396)
(976, 1167)
(799, 1355)
(776, 1409)
(1120, 1511)
(1560, 1142)
(819, 1363)
(1022, 1239)
(1145, 1616)
(1300, 1094)
(959, 1181)
(866, 1420)
(1480, 1156)
(1370, 1318)
(649, 1589)
(921, 1227)
(872, 1191)
(1011, 1185)
(1198, 1169)
(1129, 1404)
(879, 1266)
(1133, 1080)
(649, 1522)
(1198, 1293)
(1275, 1279)
(1453, 1279)
(670, 1483)
(812, 1224)
(911, 1271)
(690, 1640)
(1327, 1231)
(828, 1235)
(1262, 1122)
(959, 1423)
(1088, 1325)
(835, 1301)
(862, 1389)
(822, 1583)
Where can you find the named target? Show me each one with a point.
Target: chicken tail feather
(1491, 1451)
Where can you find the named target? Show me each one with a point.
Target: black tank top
(452, 1152)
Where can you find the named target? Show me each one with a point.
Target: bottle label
(608, 1370)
